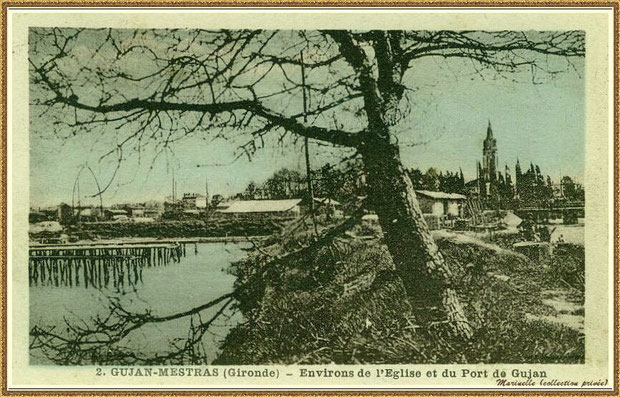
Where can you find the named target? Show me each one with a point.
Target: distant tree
(216, 199)
(549, 188)
(417, 178)
(437, 180)
(283, 184)
(250, 191)
(329, 182)
(572, 191)
(432, 179)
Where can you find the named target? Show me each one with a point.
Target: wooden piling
(62, 265)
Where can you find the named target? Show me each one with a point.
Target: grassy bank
(341, 303)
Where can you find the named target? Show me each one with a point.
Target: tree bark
(425, 273)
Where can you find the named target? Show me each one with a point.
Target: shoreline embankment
(153, 240)
(212, 230)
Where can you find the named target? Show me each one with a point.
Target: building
(491, 184)
(88, 213)
(134, 210)
(222, 205)
(152, 213)
(441, 204)
(64, 213)
(115, 214)
(487, 175)
(280, 208)
(489, 156)
(202, 202)
(193, 201)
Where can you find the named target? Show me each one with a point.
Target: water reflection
(164, 290)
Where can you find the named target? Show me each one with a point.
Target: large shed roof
(441, 195)
(250, 206)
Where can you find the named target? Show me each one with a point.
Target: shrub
(568, 265)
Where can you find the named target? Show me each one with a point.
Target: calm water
(165, 290)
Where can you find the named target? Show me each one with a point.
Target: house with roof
(280, 208)
(440, 203)
(88, 213)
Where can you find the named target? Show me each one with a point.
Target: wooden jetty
(98, 265)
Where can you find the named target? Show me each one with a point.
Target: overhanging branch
(336, 137)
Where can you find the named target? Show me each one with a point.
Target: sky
(539, 123)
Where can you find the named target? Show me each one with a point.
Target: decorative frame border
(301, 4)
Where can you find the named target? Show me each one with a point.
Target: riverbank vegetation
(343, 303)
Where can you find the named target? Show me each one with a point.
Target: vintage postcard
(397, 199)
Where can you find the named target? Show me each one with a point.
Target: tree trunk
(426, 276)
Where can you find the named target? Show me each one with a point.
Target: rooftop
(249, 206)
(441, 195)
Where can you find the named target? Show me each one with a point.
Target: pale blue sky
(541, 123)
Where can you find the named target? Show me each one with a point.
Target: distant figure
(561, 239)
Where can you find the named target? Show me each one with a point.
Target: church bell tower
(489, 156)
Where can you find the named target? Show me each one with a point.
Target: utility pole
(173, 188)
(306, 146)
(206, 193)
(79, 200)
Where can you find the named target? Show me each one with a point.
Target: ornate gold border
(615, 4)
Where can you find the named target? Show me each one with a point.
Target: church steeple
(489, 156)
(489, 131)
